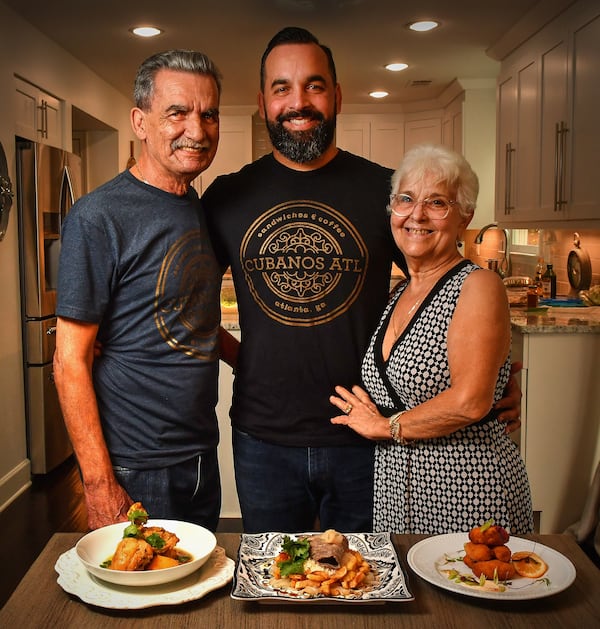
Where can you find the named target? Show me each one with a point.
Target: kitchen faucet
(504, 267)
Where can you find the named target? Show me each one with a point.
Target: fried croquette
(502, 553)
(479, 552)
(492, 535)
(494, 569)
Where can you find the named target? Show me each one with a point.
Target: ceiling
(363, 34)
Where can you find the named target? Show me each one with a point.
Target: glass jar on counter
(532, 297)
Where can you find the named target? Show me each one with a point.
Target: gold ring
(348, 409)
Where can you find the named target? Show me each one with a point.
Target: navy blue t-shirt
(137, 261)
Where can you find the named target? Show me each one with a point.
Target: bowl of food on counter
(145, 552)
(517, 287)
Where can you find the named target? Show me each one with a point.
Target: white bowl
(96, 547)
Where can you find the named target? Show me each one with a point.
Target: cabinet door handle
(508, 178)
(560, 158)
(43, 119)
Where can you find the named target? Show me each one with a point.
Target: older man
(138, 275)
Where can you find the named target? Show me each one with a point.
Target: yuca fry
(345, 581)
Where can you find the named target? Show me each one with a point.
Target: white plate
(430, 557)
(75, 579)
(258, 551)
(95, 547)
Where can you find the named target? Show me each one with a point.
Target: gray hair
(446, 167)
(178, 60)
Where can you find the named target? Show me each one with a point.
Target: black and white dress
(448, 484)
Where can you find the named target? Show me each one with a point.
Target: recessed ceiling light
(396, 67)
(146, 31)
(423, 25)
(378, 94)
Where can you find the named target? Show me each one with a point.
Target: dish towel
(588, 527)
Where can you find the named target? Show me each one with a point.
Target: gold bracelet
(396, 428)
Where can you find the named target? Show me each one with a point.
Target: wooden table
(39, 602)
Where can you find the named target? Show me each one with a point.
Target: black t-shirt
(138, 261)
(310, 254)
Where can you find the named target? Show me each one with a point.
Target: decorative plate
(75, 579)
(434, 557)
(258, 551)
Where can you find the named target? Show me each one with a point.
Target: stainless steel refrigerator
(48, 183)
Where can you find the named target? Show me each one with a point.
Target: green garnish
(155, 540)
(131, 531)
(138, 516)
(298, 552)
(486, 525)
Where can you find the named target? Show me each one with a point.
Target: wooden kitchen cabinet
(452, 126)
(384, 138)
(387, 141)
(38, 114)
(516, 142)
(548, 136)
(422, 131)
(377, 137)
(570, 92)
(560, 415)
(235, 150)
(584, 144)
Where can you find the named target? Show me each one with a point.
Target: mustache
(189, 144)
(311, 114)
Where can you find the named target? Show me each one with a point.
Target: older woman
(436, 364)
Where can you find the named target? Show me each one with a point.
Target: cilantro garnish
(131, 531)
(298, 552)
(137, 516)
(155, 540)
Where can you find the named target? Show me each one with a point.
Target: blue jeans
(189, 491)
(296, 489)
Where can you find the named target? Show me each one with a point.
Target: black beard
(302, 147)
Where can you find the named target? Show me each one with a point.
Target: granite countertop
(551, 320)
(556, 320)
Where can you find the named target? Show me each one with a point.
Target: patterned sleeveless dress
(447, 484)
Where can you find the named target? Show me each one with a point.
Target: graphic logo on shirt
(304, 263)
(187, 298)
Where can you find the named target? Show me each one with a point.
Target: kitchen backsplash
(553, 245)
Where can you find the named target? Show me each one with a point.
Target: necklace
(141, 174)
(398, 327)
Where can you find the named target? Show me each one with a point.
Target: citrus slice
(528, 564)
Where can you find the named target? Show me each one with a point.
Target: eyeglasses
(403, 205)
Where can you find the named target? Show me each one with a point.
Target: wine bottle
(549, 283)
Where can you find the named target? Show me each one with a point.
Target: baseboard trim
(13, 484)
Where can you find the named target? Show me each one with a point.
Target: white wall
(26, 52)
